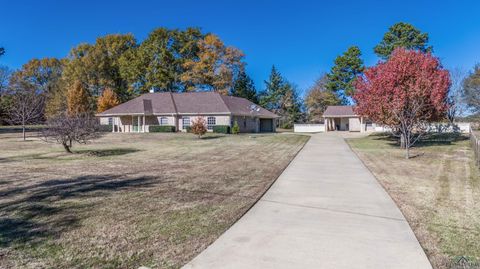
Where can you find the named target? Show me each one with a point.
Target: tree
(2, 51)
(244, 87)
(158, 62)
(281, 97)
(318, 98)
(43, 75)
(26, 106)
(275, 88)
(66, 129)
(78, 99)
(97, 66)
(215, 68)
(402, 35)
(107, 100)
(199, 126)
(290, 108)
(406, 93)
(343, 74)
(471, 90)
(457, 106)
(5, 99)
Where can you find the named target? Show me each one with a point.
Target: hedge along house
(178, 110)
(344, 118)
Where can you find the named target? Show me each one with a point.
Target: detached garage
(343, 118)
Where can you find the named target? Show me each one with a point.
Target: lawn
(130, 200)
(438, 191)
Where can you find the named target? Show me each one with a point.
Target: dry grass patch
(438, 191)
(128, 200)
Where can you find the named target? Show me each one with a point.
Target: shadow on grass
(431, 139)
(38, 212)
(208, 137)
(107, 152)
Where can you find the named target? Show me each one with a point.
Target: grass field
(128, 200)
(438, 191)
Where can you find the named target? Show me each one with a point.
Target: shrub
(221, 129)
(199, 126)
(161, 129)
(235, 128)
(105, 128)
(188, 129)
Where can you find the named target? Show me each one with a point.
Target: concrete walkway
(325, 211)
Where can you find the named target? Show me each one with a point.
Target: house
(180, 109)
(344, 118)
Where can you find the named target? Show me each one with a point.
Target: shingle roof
(188, 103)
(339, 111)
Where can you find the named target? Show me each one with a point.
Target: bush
(221, 129)
(105, 128)
(235, 128)
(199, 126)
(161, 129)
(188, 129)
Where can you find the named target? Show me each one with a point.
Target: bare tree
(456, 102)
(66, 129)
(26, 107)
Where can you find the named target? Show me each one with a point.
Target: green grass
(128, 200)
(438, 191)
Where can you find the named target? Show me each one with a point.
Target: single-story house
(180, 109)
(344, 118)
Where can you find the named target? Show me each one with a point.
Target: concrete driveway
(326, 210)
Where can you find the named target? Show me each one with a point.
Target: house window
(211, 121)
(185, 122)
(163, 121)
(110, 121)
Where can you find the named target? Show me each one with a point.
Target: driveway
(326, 210)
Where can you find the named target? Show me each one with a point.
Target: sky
(301, 38)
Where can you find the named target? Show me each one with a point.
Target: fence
(308, 128)
(475, 146)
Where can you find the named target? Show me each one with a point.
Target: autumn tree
(244, 87)
(158, 62)
(97, 66)
(318, 98)
(406, 93)
(471, 90)
(107, 100)
(26, 106)
(216, 67)
(5, 98)
(456, 103)
(78, 99)
(344, 72)
(198, 126)
(403, 35)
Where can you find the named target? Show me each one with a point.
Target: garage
(266, 125)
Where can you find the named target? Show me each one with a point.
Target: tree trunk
(402, 141)
(23, 132)
(66, 147)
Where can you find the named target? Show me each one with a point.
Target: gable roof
(339, 111)
(167, 103)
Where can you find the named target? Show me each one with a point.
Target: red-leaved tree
(406, 93)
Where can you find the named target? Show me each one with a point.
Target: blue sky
(302, 38)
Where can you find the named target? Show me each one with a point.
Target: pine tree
(107, 100)
(78, 99)
(274, 90)
(244, 87)
(342, 75)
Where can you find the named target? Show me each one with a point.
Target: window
(185, 122)
(163, 121)
(211, 121)
(110, 121)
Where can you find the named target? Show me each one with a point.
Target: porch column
(143, 124)
(138, 124)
